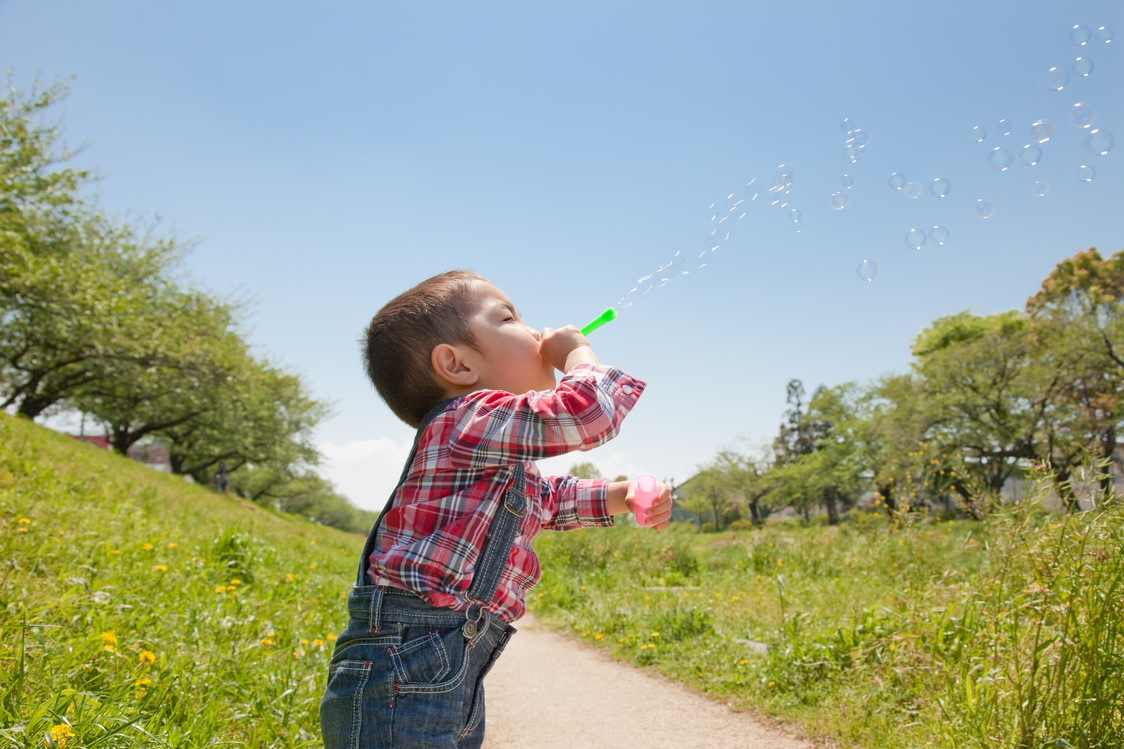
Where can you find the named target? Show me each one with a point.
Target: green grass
(139, 610)
(1002, 633)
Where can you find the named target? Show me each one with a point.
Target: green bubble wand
(607, 316)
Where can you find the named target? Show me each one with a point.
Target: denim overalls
(407, 675)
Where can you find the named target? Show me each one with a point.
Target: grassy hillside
(139, 610)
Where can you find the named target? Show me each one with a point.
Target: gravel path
(549, 692)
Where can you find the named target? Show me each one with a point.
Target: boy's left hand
(659, 514)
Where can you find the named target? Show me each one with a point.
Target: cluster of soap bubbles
(727, 213)
(723, 217)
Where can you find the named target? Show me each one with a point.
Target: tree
(992, 391)
(834, 459)
(585, 471)
(1078, 315)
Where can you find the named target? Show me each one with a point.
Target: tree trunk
(832, 509)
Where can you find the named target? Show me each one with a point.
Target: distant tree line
(987, 398)
(95, 316)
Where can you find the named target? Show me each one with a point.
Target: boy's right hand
(565, 348)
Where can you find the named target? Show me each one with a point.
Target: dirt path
(549, 692)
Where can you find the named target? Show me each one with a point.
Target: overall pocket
(421, 659)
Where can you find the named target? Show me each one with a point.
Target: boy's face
(509, 356)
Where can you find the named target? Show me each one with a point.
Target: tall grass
(909, 633)
(138, 610)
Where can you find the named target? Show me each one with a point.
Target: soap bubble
(751, 190)
(1104, 34)
(797, 226)
(1056, 79)
(1082, 66)
(1030, 155)
(938, 235)
(978, 134)
(839, 200)
(1080, 35)
(1004, 127)
(1041, 131)
(1099, 141)
(1086, 173)
(912, 189)
(867, 270)
(853, 153)
(858, 138)
(915, 239)
(712, 212)
(794, 215)
(983, 208)
(1000, 159)
(847, 126)
(939, 187)
(847, 181)
(896, 181)
(783, 179)
(629, 299)
(1040, 187)
(1082, 115)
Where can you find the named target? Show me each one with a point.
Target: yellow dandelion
(114, 551)
(265, 642)
(61, 735)
(772, 683)
(272, 634)
(24, 521)
(304, 642)
(235, 581)
(142, 682)
(655, 634)
(312, 566)
(621, 639)
(21, 529)
(598, 636)
(147, 657)
(161, 568)
(742, 662)
(289, 578)
(331, 637)
(583, 587)
(780, 562)
(220, 589)
(172, 545)
(109, 638)
(317, 643)
(312, 540)
(146, 547)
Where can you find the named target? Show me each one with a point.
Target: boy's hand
(659, 514)
(565, 348)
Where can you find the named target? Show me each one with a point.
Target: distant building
(97, 440)
(154, 455)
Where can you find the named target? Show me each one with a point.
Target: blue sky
(328, 156)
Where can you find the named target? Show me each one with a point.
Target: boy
(449, 561)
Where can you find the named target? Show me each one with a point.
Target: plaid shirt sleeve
(495, 428)
(572, 503)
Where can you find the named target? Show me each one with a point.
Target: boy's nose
(537, 336)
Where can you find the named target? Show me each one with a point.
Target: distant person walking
(221, 479)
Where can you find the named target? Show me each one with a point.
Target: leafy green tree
(992, 391)
(81, 307)
(585, 471)
(1078, 317)
(831, 469)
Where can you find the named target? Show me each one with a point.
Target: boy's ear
(452, 367)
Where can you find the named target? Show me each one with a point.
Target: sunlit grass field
(139, 610)
(875, 633)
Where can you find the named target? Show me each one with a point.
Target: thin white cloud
(367, 471)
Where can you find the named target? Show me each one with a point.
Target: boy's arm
(581, 503)
(491, 427)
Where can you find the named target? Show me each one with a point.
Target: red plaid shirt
(431, 537)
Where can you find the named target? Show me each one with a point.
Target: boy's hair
(399, 342)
